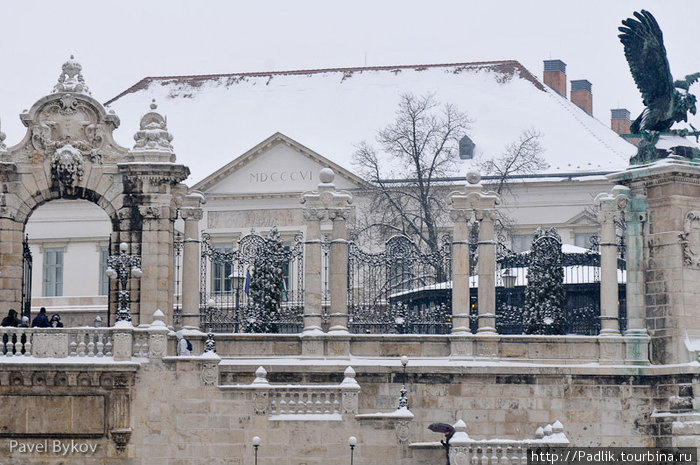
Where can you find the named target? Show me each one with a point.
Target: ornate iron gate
(225, 279)
(178, 246)
(26, 278)
(393, 291)
(581, 281)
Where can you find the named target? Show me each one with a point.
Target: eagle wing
(646, 55)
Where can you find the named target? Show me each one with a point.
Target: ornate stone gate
(69, 152)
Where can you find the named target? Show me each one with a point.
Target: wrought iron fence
(581, 281)
(226, 275)
(392, 291)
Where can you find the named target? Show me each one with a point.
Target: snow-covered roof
(216, 118)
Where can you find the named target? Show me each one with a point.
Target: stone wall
(178, 417)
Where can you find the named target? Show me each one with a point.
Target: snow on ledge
(306, 417)
(399, 413)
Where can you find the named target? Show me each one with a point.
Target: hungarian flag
(247, 282)
(284, 288)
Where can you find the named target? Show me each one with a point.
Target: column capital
(327, 202)
(191, 213)
(473, 197)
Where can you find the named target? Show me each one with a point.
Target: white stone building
(255, 141)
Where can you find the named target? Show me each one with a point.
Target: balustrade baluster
(326, 403)
(318, 402)
(73, 346)
(108, 347)
(100, 344)
(90, 344)
(81, 345)
(336, 404)
(496, 457)
(292, 405)
(28, 346)
(282, 403)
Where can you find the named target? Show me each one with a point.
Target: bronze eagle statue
(666, 101)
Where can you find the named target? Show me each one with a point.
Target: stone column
(339, 271)
(191, 214)
(326, 203)
(11, 266)
(609, 206)
(664, 244)
(487, 272)
(460, 271)
(472, 200)
(312, 271)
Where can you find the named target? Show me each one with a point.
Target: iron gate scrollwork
(581, 280)
(392, 291)
(226, 275)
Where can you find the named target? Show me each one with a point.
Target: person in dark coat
(41, 320)
(56, 321)
(11, 319)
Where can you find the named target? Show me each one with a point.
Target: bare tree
(414, 152)
(520, 157)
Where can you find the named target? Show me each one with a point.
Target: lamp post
(256, 444)
(403, 400)
(120, 267)
(352, 441)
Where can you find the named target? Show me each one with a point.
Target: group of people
(40, 321)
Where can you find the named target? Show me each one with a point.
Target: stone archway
(69, 152)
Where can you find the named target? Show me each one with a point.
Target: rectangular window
(583, 240)
(222, 271)
(521, 242)
(53, 272)
(104, 279)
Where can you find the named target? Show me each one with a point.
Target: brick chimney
(620, 120)
(555, 76)
(620, 123)
(581, 95)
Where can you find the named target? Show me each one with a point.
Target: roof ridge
(143, 83)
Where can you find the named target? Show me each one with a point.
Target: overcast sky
(120, 42)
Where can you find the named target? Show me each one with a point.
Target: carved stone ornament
(459, 455)
(690, 239)
(68, 120)
(153, 133)
(67, 166)
(403, 431)
(121, 438)
(350, 402)
(260, 402)
(210, 373)
(71, 78)
(157, 346)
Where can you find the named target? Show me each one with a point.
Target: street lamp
(256, 444)
(403, 400)
(120, 267)
(352, 441)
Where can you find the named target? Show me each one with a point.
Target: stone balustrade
(281, 402)
(117, 342)
(464, 449)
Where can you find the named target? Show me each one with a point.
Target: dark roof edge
(143, 83)
(569, 176)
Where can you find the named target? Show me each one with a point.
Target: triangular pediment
(584, 218)
(279, 164)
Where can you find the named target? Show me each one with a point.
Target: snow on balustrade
(66, 342)
(302, 402)
(464, 449)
